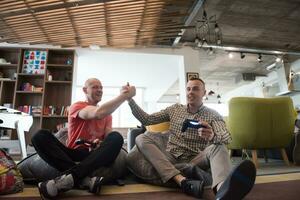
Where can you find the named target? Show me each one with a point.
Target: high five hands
(128, 91)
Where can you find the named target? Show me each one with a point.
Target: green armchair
(261, 123)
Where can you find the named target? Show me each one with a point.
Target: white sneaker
(51, 188)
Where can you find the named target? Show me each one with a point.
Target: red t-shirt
(85, 129)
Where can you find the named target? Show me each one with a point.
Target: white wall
(190, 61)
(154, 72)
(253, 88)
(275, 77)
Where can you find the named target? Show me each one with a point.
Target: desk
(21, 122)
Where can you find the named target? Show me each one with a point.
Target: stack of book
(56, 110)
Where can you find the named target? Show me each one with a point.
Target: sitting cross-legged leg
(64, 159)
(163, 162)
(229, 183)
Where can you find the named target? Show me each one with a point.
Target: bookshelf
(39, 82)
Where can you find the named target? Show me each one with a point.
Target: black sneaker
(192, 187)
(92, 184)
(52, 188)
(194, 172)
(239, 182)
(95, 184)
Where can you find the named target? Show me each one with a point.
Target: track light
(230, 55)
(218, 96)
(197, 40)
(259, 59)
(204, 42)
(210, 51)
(242, 55)
(211, 92)
(217, 29)
(204, 16)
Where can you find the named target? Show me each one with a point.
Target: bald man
(89, 122)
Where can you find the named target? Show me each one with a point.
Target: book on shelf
(30, 88)
(56, 110)
(32, 110)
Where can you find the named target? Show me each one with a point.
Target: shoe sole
(97, 186)
(241, 181)
(40, 191)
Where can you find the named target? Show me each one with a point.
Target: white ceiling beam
(189, 20)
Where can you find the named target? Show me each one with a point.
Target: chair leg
(265, 155)
(254, 158)
(284, 156)
(230, 153)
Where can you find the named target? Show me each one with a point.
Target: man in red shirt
(89, 122)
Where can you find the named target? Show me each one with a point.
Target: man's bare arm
(99, 112)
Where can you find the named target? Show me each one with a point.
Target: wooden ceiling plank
(78, 22)
(107, 27)
(39, 25)
(9, 29)
(74, 27)
(111, 17)
(52, 7)
(65, 19)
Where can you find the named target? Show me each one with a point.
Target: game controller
(190, 123)
(85, 143)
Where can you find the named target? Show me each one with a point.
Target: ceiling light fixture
(217, 29)
(242, 55)
(211, 92)
(210, 51)
(278, 59)
(208, 30)
(259, 59)
(94, 47)
(271, 67)
(230, 55)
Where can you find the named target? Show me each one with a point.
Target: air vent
(249, 76)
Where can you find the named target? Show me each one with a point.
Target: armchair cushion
(260, 123)
(35, 169)
(161, 127)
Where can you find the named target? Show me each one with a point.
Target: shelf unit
(9, 64)
(49, 89)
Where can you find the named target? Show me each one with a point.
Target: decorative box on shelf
(34, 62)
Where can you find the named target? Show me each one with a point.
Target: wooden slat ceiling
(73, 23)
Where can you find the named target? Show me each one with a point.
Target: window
(222, 108)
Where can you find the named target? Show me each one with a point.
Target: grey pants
(215, 157)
